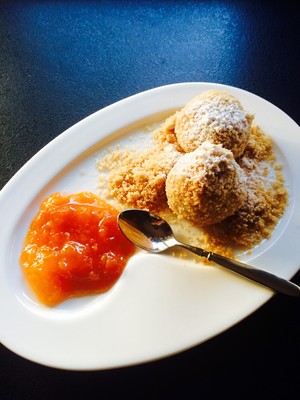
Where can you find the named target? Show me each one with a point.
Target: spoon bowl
(146, 230)
(152, 233)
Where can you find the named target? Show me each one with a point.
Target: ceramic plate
(161, 305)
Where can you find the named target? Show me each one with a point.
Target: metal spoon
(152, 233)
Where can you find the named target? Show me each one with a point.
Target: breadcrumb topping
(244, 190)
(137, 179)
(267, 196)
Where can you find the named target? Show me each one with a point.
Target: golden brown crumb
(259, 146)
(266, 200)
(137, 179)
(165, 133)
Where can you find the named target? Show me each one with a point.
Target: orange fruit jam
(74, 248)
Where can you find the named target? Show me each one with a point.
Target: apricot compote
(74, 248)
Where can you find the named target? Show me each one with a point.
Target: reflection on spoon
(152, 233)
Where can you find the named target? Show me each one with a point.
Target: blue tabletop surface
(63, 60)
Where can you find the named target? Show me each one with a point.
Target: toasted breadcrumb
(138, 179)
(165, 133)
(267, 197)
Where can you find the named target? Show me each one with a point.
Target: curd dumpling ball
(215, 116)
(206, 185)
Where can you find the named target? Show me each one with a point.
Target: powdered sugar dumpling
(206, 186)
(215, 116)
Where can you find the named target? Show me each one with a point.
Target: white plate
(161, 305)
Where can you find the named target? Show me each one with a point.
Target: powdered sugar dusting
(217, 116)
(207, 159)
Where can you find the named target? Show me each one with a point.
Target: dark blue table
(61, 61)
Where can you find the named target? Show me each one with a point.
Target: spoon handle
(263, 277)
